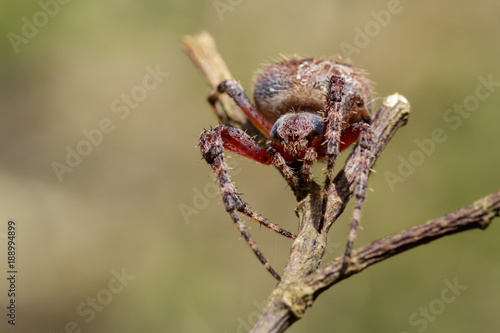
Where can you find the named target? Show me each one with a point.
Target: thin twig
(477, 215)
(202, 51)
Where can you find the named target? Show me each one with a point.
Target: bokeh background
(143, 205)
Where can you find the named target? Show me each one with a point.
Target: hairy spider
(308, 110)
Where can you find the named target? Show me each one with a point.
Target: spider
(308, 110)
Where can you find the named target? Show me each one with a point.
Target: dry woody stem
(303, 279)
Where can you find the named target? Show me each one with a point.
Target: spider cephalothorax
(308, 110)
(294, 135)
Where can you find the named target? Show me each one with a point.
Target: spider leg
(211, 145)
(305, 172)
(331, 134)
(237, 93)
(234, 90)
(234, 139)
(237, 141)
(286, 170)
(364, 144)
(338, 139)
(243, 230)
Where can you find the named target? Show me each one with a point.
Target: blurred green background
(141, 203)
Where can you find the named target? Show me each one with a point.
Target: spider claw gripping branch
(309, 110)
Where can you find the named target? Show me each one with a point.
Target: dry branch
(303, 280)
(201, 49)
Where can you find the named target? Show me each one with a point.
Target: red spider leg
(236, 92)
(241, 143)
(350, 135)
(364, 144)
(332, 135)
(211, 145)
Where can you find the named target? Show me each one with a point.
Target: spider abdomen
(301, 84)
